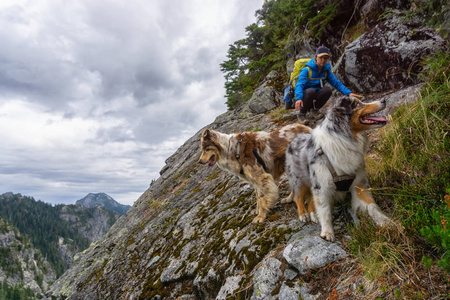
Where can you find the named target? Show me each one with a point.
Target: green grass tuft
(413, 165)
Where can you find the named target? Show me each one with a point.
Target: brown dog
(255, 157)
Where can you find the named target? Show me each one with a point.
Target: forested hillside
(40, 222)
(24, 271)
(58, 231)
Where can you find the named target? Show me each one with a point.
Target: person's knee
(310, 92)
(324, 94)
(326, 90)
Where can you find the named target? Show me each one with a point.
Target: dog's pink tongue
(211, 161)
(377, 119)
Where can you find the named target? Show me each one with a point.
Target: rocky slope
(190, 234)
(92, 222)
(103, 200)
(21, 263)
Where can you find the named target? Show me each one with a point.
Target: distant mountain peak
(103, 200)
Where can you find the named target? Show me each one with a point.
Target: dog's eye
(358, 104)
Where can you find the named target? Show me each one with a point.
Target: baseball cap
(322, 51)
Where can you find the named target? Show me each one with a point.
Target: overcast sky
(95, 95)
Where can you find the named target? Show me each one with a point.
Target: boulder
(266, 278)
(264, 98)
(312, 252)
(231, 285)
(296, 291)
(388, 56)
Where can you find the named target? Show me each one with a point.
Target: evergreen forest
(41, 224)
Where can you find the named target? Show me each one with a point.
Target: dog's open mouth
(211, 161)
(373, 120)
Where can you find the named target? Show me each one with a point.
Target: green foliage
(415, 160)
(316, 15)
(434, 11)
(8, 292)
(9, 264)
(279, 24)
(427, 262)
(41, 223)
(252, 58)
(438, 234)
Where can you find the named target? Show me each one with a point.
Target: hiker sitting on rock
(310, 90)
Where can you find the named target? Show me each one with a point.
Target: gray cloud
(95, 95)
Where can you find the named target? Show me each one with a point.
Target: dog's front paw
(304, 218)
(258, 219)
(286, 200)
(329, 236)
(314, 218)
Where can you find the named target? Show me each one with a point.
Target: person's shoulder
(327, 66)
(311, 63)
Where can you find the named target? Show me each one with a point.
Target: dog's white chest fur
(346, 156)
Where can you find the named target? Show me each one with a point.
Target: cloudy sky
(95, 95)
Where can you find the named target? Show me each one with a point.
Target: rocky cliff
(91, 222)
(21, 264)
(190, 236)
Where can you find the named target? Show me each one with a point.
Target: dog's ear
(207, 134)
(344, 106)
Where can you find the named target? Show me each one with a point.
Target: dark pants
(313, 99)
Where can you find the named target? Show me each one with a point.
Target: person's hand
(355, 95)
(298, 104)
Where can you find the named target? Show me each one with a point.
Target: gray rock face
(231, 285)
(264, 98)
(311, 253)
(295, 292)
(22, 264)
(266, 278)
(93, 228)
(387, 57)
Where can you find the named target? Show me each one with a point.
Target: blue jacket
(303, 83)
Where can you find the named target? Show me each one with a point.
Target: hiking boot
(302, 119)
(317, 114)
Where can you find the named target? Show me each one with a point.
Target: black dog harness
(255, 153)
(343, 182)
